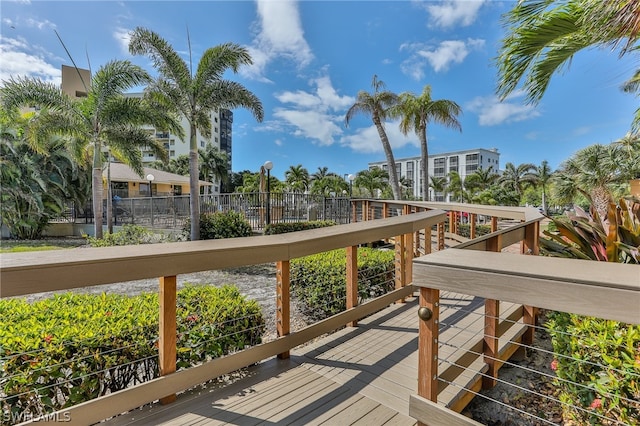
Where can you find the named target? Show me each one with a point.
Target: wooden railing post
(408, 259)
(491, 324)
(472, 225)
(283, 321)
(452, 222)
(167, 330)
(530, 246)
(494, 223)
(352, 280)
(428, 335)
(400, 263)
(440, 236)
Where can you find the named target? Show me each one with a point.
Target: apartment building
(463, 162)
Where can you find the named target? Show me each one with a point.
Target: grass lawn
(18, 246)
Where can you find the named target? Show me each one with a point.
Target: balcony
(382, 362)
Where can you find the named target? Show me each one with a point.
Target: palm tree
(297, 177)
(372, 180)
(377, 105)
(416, 112)
(455, 186)
(517, 178)
(593, 171)
(544, 35)
(104, 119)
(543, 175)
(438, 184)
(629, 149)
(196, 95)
(213, 164)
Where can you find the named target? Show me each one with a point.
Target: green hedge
(71, 348)
(229, 224)
(604, 357)
(283, 228)
(318, 282)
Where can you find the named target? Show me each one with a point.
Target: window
(439, 167)
(410, 170)
(215, 130)
(471, 168)
(202, 144)
(216, 119)
(172, 153)
(472, 158)
(216, 139)
(172, 142)
(399, 169)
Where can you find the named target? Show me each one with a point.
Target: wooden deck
(356, 376)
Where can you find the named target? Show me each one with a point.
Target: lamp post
(351, 178)
(151, 178)
(268, 165)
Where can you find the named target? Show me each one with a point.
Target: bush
(220, 225)
(464, 230)
(283, 228)
(604, 358)
(319, 281)
(74, 347)
(129, 235)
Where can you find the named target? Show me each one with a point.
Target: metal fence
(172, 212)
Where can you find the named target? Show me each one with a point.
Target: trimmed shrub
(220, 225)
(129, 235)
(464, 230)
(604, 358)
(283, 228)
(71, 348)
(319, 281)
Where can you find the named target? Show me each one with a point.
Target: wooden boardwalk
(362, 375)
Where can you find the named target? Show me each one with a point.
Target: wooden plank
(601, 289)
(283, 301)
(428, 345)
(431, 413)
(491, 341)
(167, 332)
(22, 273)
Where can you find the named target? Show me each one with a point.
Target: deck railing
(25, 274)
(597, 289)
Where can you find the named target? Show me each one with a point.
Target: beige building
(75, 81)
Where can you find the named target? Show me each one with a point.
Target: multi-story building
(440, 165)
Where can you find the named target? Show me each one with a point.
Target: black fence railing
(172, 212)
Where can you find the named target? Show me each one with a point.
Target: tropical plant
(593, 170)
(543, 36)
(438, 184)
(197, 95)
(416, 112)
(377, 105)
(542, 175)
(297, 178)
(35, 185)
(629, 155)
(214, 164)
(517, 178)
(104, 119)
(372, 180)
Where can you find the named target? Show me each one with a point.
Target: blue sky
(312, 57)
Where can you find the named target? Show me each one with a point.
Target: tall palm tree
(543, 36)
(377, 105)
(197, 94)
(372, 180)
(542, 175)
(297, 177)
(629, 149)
(104, 119)
(416, 112)
(481, 179)
(517, 178)
(455, 186)
(213, 164)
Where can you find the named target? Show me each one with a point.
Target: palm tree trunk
(391, 162)
(424, 157)
(194, 190)
(601, 198)
(97, 188)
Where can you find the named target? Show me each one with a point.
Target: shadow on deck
(359, 375)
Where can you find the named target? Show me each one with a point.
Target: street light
(268, 165)
(151, 178)
(351, 178)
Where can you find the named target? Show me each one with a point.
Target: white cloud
(40, 24)
(366, 140)
(280, 35)
(122, 36)
(449, 13)
(440, 57)
(316, 114)
(492, 112)
(20, 59)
